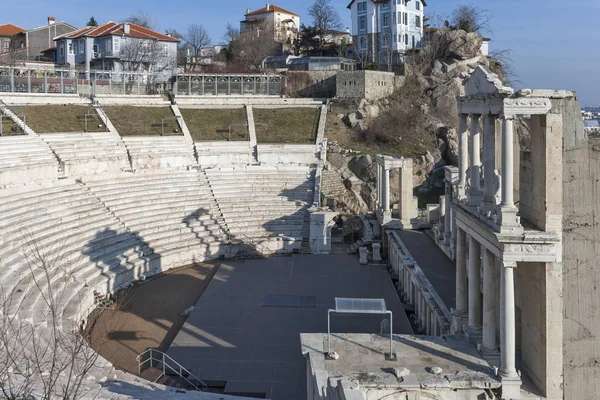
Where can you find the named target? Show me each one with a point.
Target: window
(81, 46)
(418, 4)
(406, 39)
(418, 21)
(362, 6)
(363, 42)
(95, 49)
(386, 5)
(362, 23)
(394, 19)
(165, 49)
(395, 38)
(386, 40)
(62, 50)
(71, 48)
(117, 45)
(386, 19)
(405, 18)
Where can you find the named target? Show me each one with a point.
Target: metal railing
(168, 365)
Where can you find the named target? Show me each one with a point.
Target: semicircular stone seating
(74, 242)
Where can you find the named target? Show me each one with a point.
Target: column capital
(508, 264)
(507, 117)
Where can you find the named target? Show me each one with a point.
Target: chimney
(247, 11)
(126, 29)
(51, 20)
(267, 6)
(347, 30)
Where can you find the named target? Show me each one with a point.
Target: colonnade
(431, 314)
(479, 306)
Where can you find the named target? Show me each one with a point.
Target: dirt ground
(148, 316)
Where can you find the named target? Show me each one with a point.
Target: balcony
(105, 54)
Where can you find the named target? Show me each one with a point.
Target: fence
(19, 80)
(228, 85)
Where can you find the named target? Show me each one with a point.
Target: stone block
(363, 254)
(376, 252)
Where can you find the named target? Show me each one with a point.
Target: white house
(286, 23)
(384, 29)
(117, 47)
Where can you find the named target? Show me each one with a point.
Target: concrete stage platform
(234, 336)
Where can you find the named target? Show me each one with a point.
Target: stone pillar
(378, 193)
(489, 164)
(408, 209)
(447, 214)
(508, 220)
(475, 165)
(443, 219)
(474, 328)
(463, 155)
(511, 381)
(321, 223)
(386, 189)
(507, 163)
(458, 319)
(489, 344)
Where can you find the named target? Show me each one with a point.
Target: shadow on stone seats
(121, 258)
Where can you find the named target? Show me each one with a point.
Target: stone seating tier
(26, 159)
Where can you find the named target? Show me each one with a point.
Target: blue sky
(555, 44)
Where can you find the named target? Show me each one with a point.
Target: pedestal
(459, 321)
(376, 252)
(363, 255)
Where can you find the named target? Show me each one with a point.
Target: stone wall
(581, 246)
(302, 154)
(310, 84)
(371, 85)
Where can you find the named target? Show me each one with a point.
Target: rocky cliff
(417, 121)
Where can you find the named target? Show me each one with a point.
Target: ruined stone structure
(518, 296)
(406, 215)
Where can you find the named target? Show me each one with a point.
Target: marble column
(447, 214)
(378, 200)
(511, 381)
(461, 282)
(463, 155)
(489, 344)
(507, 163)
(489, 127)
(386, 189)
(443, 220)
(475, 165)
(474, 328)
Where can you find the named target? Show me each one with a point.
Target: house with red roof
(12, 38)
(286, 24)
(116, 46)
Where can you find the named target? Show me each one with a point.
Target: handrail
(163, 360)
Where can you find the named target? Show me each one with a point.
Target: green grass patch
(213, 124)
(62, 118)
(286, 125)
(142, 121)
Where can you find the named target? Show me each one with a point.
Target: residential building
(12, 38)
(41, 39)
(286, 23)
(117, 47)
(382, 30)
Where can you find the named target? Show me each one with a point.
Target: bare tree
(471, 18)
(181, 50)
(51, 358)
(231, 33)
(325, 19)
(152, 58)
(250, 49)
(142, 18)
(195, 39)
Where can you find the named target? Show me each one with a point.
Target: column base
(459, 320)
(475, 334)
(508, 220)
(474, 198)
(511, 387)
(491, 356)
(384, 216)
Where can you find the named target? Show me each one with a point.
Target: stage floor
(245, 329)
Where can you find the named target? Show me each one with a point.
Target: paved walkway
(438, 268)
(245, 329)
